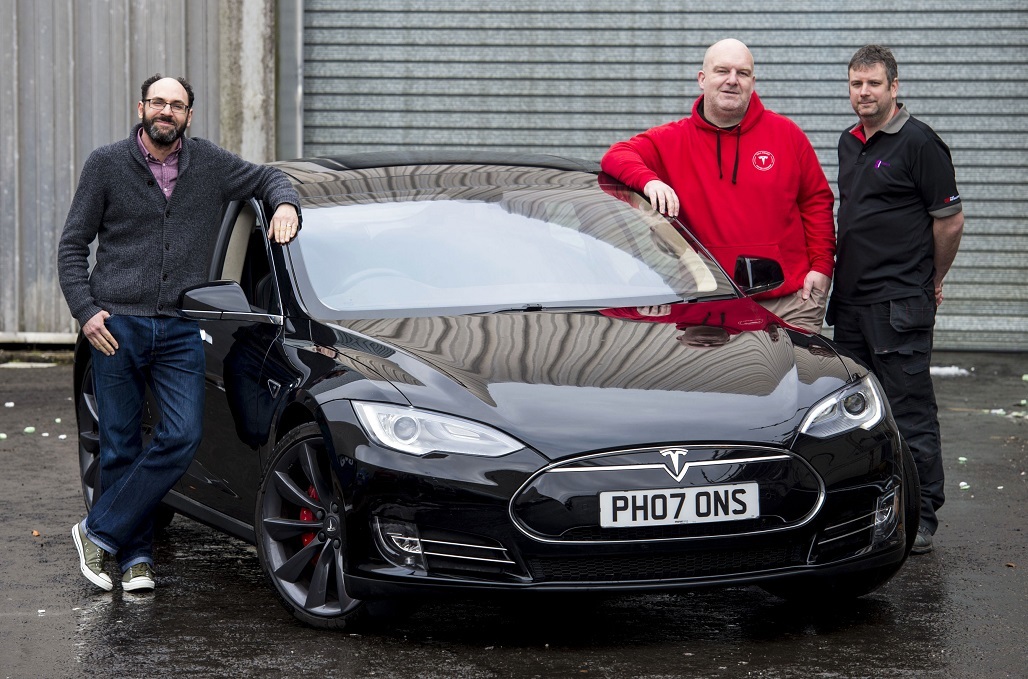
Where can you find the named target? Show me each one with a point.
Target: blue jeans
(166, 354)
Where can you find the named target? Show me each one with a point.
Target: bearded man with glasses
(153, 203)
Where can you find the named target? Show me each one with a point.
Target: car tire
(820, 592)
(912, 501)
(299, 525)
(88, 421)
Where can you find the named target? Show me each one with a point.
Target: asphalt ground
(961, 611)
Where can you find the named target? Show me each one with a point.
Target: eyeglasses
(159, 104)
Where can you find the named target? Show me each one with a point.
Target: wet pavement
(961, 611)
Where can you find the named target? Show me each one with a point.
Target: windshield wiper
(528, 308)
(599, 305)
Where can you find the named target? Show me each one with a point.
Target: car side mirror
(218, 297)
(758, 274)
(222, 300)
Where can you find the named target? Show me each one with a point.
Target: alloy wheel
(89, 437)
(301, 533)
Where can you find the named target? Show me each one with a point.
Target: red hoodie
(756, 190)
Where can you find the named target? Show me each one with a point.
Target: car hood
(570, 382)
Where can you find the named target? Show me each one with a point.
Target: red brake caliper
(308, 515)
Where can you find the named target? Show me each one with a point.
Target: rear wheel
(88, 420)
(300, 530)
(89, 438)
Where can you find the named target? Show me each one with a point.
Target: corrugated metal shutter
(570, 78)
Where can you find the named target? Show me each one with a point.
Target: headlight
(855, 405)
(419, 432)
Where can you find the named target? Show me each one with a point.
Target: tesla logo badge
(675, 456)
(763, 160)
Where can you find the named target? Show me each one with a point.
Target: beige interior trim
(237, 244)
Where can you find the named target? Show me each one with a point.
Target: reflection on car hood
(572, 382)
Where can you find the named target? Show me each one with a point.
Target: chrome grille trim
(681, 475)
(468, 549)
(845, 535)
(770, 455)
(506, 562)
(840, 526)
(869, 524)
(463, 544)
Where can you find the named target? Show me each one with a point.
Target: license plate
(670, 506)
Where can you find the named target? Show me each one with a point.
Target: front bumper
(451, 522)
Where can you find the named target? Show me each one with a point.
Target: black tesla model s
(508, 373)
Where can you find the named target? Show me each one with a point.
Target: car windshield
(523, 247)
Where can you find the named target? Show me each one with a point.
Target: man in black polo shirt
(900, 224)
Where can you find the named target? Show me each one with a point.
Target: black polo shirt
(891, 189)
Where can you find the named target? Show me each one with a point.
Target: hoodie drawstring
(720, 174)
(738, 143)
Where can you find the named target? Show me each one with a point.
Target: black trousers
(895, 340)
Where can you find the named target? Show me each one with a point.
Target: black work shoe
(138, 578)
(91, 559)
(923, 541)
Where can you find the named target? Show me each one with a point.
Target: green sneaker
(91, 559)
(138, 578)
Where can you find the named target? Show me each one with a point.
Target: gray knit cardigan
(149, 249)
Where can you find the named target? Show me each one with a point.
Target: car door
(227, 466)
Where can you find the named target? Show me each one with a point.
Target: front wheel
(301, 539)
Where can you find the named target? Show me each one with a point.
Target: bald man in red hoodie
(745, 180)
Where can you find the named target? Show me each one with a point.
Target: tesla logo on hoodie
(763, 160)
